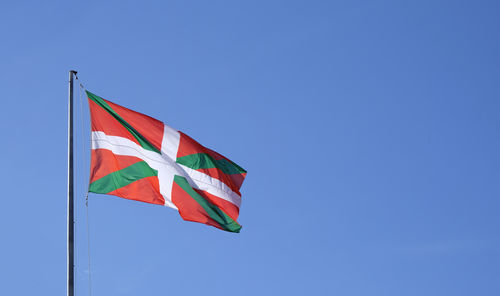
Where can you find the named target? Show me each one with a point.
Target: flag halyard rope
(81, 91)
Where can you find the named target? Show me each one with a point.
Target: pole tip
(73, 71)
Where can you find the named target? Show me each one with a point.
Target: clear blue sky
(370, 131)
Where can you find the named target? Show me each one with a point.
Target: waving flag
(138, 157)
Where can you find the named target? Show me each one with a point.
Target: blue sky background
(370, 131)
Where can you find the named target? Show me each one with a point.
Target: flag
(138, 157)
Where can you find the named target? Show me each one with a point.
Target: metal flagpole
(71, 220)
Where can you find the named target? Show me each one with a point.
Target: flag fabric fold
(137, 157)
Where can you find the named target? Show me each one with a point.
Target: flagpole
(71, 219)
